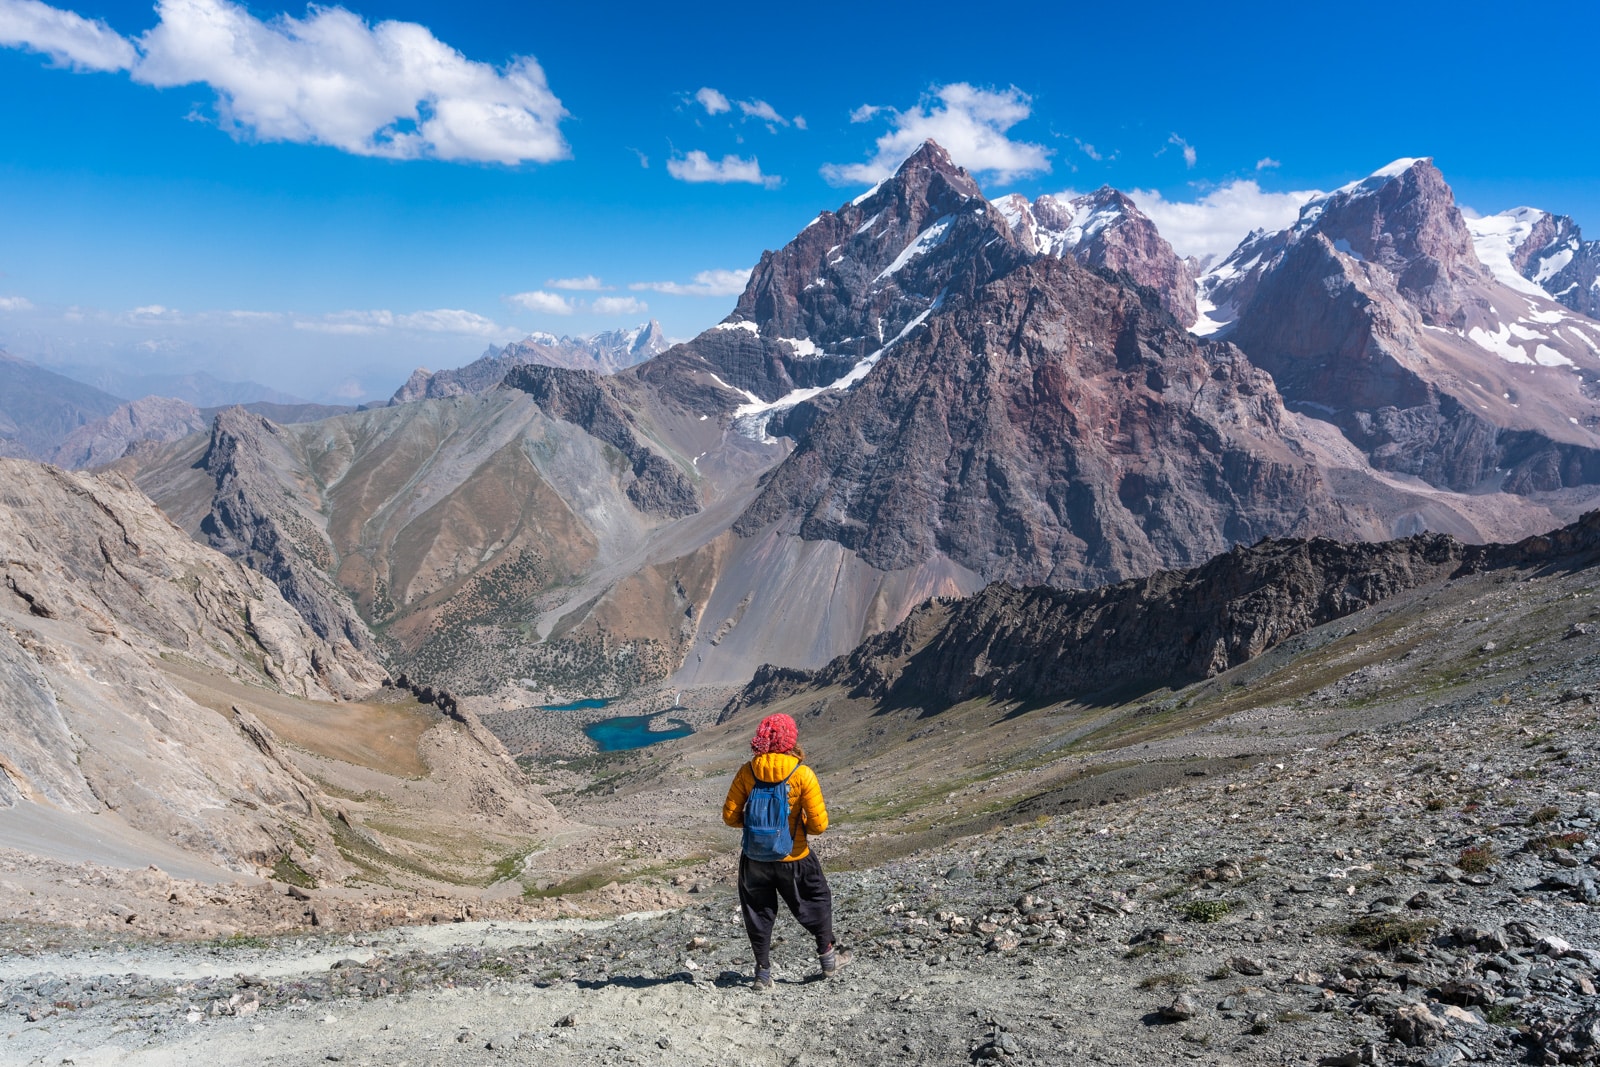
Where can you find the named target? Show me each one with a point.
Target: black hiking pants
(804, 890)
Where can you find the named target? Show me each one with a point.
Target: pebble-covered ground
(1421, 893)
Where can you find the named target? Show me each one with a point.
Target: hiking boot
(762, 983)
(832, 960)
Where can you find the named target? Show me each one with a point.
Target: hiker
(777, 801)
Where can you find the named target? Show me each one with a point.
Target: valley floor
(1421, 892)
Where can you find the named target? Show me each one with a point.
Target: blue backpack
(766, 820)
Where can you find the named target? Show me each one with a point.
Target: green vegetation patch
(1382, 933)
(287, 870)
(1477, 859)
(1206, 911)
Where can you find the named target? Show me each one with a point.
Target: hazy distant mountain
(159, 419)
(197, 387)
(605, 353)
(39, 408)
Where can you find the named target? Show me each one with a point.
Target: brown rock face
(1106, 229)
(1410, 225)
(1057, 428)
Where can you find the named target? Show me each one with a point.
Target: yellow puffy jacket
(807, 813)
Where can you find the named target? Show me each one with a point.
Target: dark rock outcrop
(1172, 628)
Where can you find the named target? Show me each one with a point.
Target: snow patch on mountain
(1496, 239)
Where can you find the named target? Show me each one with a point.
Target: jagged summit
(1105, 229)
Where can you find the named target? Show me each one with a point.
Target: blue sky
(201, 185)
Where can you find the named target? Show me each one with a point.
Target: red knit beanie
(777, 733)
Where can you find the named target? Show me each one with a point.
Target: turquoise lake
(631, 731)
(578, 705)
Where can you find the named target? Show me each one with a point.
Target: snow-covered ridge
(1496, 239)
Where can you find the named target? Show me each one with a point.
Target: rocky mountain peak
(1105, 229)
(854, 280)
(1404, 218)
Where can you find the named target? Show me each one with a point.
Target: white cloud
(542, 302)
(1189, 154)
(714, 102)
(970, 123)
(1217, 222)
(1266, 162)
(153, 311)
(68, 38)
(450, 320)
(699, 167)
(587, 283)
(619, 305)
(706, 283)
(15, 303)
(760, 109)
(388, 89)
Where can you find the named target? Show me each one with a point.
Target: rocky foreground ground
(1422, 893)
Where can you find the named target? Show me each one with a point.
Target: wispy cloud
(440, 320)
(718, 103)
(1216, 222)
(1266, 162)
(542, 302)
(971, 123)
(588, 283)
(388, 89)
(1189, 155)
(714, 102)
(619, 305)
(15, 303)
(706, 283)
(699, 167)
(760, 109)
(65, 36)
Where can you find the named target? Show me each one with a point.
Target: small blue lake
(631, 731)
(578, 705)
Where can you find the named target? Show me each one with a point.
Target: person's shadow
(725, 980)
